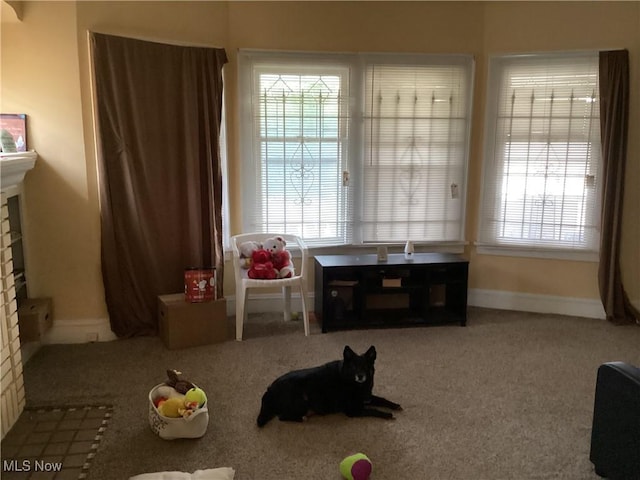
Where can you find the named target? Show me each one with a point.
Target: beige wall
(40, 77)
(45, 73)
(514, 27)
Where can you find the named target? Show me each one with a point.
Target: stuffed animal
(174, 408)
(181, 385)
(159, 400)
(261, 266)
(181, 405)
(280, 256)
(246, 252)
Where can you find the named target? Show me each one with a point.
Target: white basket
(194, 426)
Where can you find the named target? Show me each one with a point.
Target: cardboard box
(34, 318)
(184, 324)
(394, 282)
(387, 301)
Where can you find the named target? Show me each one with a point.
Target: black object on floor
(615, 436)
(56, 443)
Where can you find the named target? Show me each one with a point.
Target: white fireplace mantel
(14, 166)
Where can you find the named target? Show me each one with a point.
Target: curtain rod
(178, 43)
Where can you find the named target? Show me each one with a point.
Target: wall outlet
(92, 337)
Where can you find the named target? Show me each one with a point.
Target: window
(355, 149)
(542, 159)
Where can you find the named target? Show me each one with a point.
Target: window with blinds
(351, 149)
(542, 160)
(416, 129)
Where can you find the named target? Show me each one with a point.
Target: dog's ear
(371, 354)
(348, 354)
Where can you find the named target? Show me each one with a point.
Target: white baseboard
(79, 331)
(99, 330)
(527, 302)
(500, 300)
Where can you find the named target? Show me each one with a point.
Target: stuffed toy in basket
(178, 409)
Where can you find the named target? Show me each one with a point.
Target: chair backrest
(295, 245)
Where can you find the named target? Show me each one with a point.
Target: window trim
(529, 252)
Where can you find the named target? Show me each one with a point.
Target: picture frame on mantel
(16, 125)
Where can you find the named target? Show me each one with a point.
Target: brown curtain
(158, 111)
(614, 120)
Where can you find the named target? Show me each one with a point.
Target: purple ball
(361, 469)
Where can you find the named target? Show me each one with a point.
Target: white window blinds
(416, 130)
(350, 149)
(542, 159)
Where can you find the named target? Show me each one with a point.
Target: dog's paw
(392, 406)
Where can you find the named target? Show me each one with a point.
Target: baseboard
(500, 300)
(635, 302)
(79, 331)
(527, 302)
(99, 330)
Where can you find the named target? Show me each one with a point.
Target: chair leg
(241, 295)
(286, 297)
(305, 312)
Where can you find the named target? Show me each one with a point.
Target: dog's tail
(267, 411)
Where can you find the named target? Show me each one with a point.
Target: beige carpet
(510, 396)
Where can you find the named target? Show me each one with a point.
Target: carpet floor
(509, 396)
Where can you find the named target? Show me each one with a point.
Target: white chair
(296, 246)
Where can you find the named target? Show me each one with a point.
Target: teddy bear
(262, 266)
(246, 250)
(280, 256)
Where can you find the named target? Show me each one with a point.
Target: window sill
(452, 247)
(530, 252)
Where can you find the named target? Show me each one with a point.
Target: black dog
(339, 386)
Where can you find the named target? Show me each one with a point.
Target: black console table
(358, 291)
